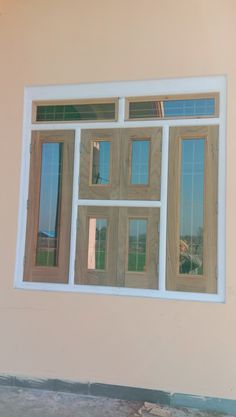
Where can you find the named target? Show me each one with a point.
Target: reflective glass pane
(101, 162)
(71, 112)
(196, 107)
(140, 162)
(49, 206)
(192, 206)
(97, 241)
(187, 108)
(137, 245)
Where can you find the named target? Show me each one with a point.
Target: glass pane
(137, 245)
(192, 206)
(195, 107)
(187, 108)
(71, 112)
(140, 162)
(101, 163)
(49, 206)
(97, 241)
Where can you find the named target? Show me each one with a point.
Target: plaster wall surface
(176, 346)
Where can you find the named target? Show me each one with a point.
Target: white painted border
(122, 90)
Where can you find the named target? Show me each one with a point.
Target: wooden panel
(99, 191)
(187, 282)
(59, 273)
(84, 275)
(149, 277)
(151, 191)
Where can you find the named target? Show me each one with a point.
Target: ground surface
(19, 402)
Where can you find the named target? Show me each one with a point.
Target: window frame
(123, 90)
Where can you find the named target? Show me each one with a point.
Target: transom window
(127, 206)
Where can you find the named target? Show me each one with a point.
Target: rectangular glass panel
(172, 108)
(75, 112)
(97, 242)
(192, 207)
(140, 162)
(49, 205)
(101, 162)
(137, 245)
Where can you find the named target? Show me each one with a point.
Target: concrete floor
(21, 402)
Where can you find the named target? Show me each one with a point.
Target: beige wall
(187, 347)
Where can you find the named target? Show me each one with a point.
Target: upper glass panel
(101, 162)
(49, 206)
(140, 162)
(69, 112)
(161, 108)
(192, 206)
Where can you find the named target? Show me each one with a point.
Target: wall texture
(176, 346)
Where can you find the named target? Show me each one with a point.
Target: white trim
(118, 291)
(122, 90)
(163, 215)
(119, 203)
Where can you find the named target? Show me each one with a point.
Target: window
(124, 197)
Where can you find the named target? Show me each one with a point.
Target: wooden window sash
(86, 276)
(160, 99)
(150, 191)
(120, 164)
(37, 103)
(116, 273)
(132, 279)
(206, 283)
(60, 273)
(99, 191)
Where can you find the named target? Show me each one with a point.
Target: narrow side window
(192, 209)
(49, 207)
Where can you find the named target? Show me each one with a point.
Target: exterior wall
(176, 346)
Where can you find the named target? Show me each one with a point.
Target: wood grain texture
(207, 282)
(59, 273)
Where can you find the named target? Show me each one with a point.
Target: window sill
(117, 291)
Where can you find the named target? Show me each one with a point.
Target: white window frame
(216, 84)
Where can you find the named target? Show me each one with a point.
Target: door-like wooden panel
(102, 188)
(86, 271)
(137, 247)
(35, 269)
(206, 281)
(147, 186)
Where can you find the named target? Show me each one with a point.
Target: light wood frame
(206, 283)
(59, 273)
(160, 99)
(37, 103)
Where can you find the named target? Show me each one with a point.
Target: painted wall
(187, 347)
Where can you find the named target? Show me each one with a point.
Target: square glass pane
(140, 162)
(192, 206)
(137, 245)
(97, 244)
(101, 162)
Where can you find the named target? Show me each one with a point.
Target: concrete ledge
(122, 392)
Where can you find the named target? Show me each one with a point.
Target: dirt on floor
(22, 402)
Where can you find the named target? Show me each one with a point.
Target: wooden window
(120, 164)
(192, 209)
(117, 246)
(74, 111)
(49, 207)
(172, 107)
